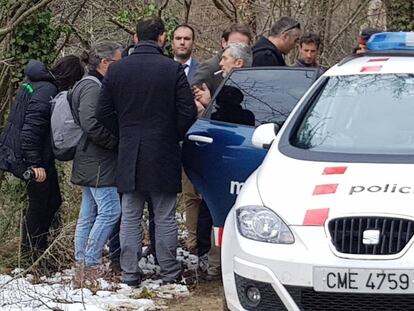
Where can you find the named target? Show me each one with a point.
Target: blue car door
(218, 155)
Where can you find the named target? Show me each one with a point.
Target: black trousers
(44, 202)
(204, 226)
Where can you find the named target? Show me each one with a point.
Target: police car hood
(307, 192)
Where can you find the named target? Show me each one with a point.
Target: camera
(29, 174)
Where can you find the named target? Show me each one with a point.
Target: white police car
(327, 221)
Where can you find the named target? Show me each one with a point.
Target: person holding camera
(26, 151)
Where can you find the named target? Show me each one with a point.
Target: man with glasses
(284, 35)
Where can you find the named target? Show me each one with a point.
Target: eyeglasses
(297, 25)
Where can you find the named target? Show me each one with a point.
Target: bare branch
(350, 22)
(74, 18)
(6, 30)
(20, 11)
(187, 4)
(162, 7)
(121, 26)
(225, 9)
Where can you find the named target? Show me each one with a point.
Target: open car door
(218, 155)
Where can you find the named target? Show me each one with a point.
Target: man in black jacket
(147, 98)
(26, 143)
(283, 37)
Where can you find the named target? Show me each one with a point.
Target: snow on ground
(57, 293)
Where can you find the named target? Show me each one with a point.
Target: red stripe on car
(316, 217)
(220, 236)
(384, 59)
(371, 68)
(334, 170)
(325, 189)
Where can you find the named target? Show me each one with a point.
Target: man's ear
(136, 40)
(239, 63)
(285, 36)
(162, 39)
(224, 43)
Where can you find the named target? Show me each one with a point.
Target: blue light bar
(391, 41)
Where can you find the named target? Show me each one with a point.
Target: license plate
(363, 280)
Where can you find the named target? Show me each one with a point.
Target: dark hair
(99, 51)
(229, 95)
(150, 28)
(185, 26)
(284, 24)
(240, 28)
(366, 33)
(67, 71)
(310, 38)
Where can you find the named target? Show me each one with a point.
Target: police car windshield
(361, 114)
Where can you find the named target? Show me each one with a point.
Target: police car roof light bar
(391, 41)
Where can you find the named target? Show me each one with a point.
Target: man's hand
(202, 94)
(40, 174)
(200, 108)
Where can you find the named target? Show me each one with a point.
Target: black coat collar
(147, 47)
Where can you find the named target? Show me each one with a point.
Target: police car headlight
(262, 224)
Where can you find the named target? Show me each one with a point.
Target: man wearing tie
(182, 46)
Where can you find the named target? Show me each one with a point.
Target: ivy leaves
(35, 38)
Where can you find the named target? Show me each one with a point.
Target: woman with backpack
(25, 146)
(94, 165)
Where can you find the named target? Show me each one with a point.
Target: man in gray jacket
(209, 70)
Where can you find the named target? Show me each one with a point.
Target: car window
(254, 97)
(361, 114)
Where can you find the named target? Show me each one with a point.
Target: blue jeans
(100, 211)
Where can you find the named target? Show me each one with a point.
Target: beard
(183, 54)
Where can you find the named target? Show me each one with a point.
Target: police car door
(218, 155)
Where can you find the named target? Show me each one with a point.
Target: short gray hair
(99, 51)
(241, 51)
(285, 24)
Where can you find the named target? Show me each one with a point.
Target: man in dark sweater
(308, 52)
(283, 37)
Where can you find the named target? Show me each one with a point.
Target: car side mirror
(264, 135)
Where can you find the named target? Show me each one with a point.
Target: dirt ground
(206, 296)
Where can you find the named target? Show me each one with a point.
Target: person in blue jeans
(94, 165)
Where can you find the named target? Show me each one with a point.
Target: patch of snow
(56, 292)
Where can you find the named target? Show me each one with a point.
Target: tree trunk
(400, 15)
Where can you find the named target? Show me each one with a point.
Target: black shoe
(188, 278)
(212, 277)
(132, 283)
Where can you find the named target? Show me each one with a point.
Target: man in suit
(208, 70)
(182, 46)
(147, 99)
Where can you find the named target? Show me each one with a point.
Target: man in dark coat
(26, 143)
(283, 37)
(146, 96)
